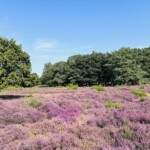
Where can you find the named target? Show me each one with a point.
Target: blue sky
(53, 30)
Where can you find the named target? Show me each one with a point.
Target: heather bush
(12, 134)
(13, 114)
(114, 119)
(68, 114)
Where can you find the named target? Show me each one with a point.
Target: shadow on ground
(11, 97)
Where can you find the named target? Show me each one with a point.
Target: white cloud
(141, 46)
(45, 44)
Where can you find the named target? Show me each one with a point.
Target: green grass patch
(139, 93)
(34, 103)
(128, 133)
(11, 88)
(113, 105)
(97, 87)
(141, 86)
(72, 87)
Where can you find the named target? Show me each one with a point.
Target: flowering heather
(81, 119)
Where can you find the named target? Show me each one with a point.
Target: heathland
(75, 118)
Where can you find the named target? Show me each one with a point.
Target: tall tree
(61, 71)
(124, 66)
(126, 70)
(15, 66)
(48, 74)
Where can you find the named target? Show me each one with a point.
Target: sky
(53, 30)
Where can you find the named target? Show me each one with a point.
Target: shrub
(139, 93)
(97, 87)
(113, 105)
(34, 103)
(72, 87)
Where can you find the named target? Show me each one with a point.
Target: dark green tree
(143, 59)
(127, 70)
(61, 71)
(15, 66)
(86, 69)
(48, 74)
(55, 75)
(123, 66)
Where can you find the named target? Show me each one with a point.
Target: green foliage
(113, 105)
(60, 70)
(34, 79)
(97, 87)
(100, 88)
(11, 88)
(55, 75)
(85, 69)
(128, 133)
(15, 66)
(143, 98)
(142, 58)
(141, 86)
(139, 93)
(72, 87)
(47, 76)
(123, 67)
(34, 103)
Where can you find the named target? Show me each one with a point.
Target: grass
(72, 87)
(141, 86)
(11, 88)
(139, 93)
(128, 133)
(97, 87)
(113, 105)
(34, 103)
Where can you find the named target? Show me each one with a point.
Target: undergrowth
(72, 87)
(97, 87)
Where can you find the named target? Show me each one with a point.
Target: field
(116, 118)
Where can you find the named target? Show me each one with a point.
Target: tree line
(120, 67)
(128, 66)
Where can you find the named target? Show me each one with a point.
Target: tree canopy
(124, 66)
(15, 66)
